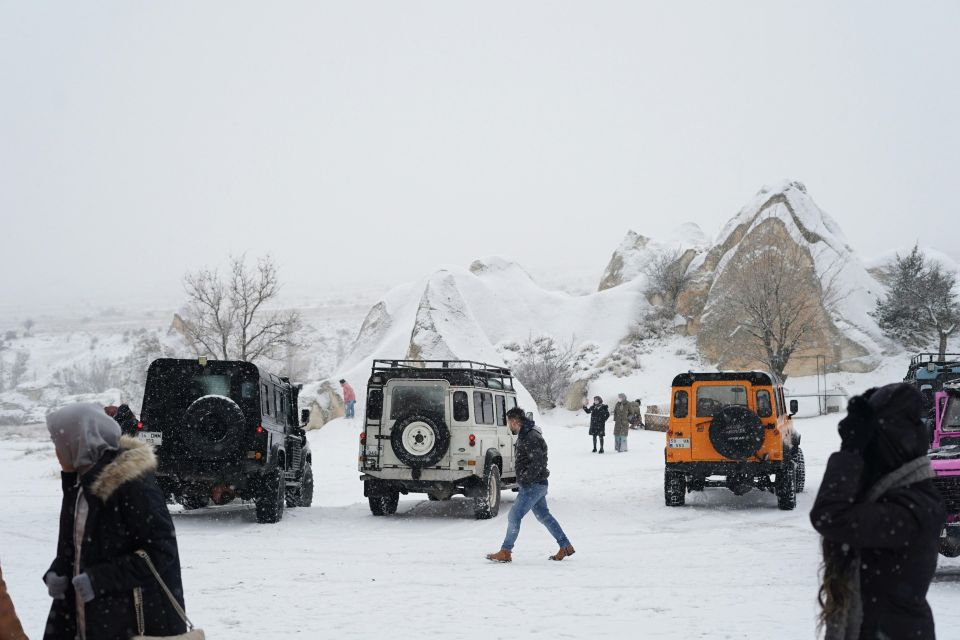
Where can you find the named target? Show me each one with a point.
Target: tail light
(363, 438)
(259, 428)
(473, 439)
(139, 425)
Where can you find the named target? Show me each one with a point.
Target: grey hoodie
(82, 433)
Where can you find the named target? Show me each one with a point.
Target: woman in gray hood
(112, 508)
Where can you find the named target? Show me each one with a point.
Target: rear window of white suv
(419, 399)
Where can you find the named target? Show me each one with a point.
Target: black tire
(786, 487)
(486, 497)
(213, 428)
(194, 500)
(801, 468)
(271, 498)
(950, 545)
(302, 496)
(674, 488)
(384, 504)
(420, 428)
(736, 432)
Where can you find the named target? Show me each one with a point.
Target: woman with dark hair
(599, 414)
(880, 516)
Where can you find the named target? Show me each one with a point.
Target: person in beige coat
(623, 412)
(10, 628)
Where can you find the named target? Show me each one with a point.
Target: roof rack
(934, 358)
(457, 365)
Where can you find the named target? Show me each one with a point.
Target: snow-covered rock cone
(636, 252)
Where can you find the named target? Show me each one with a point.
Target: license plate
(154, 438)
(372, 451)
(679, 443)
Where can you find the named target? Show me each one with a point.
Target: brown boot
(563, 553)
(501, 556)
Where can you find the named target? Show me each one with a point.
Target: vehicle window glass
(513, 402)
(764, 404)
(711, 399)
(501, 411)
(276, 403)
(680, 401)
(211, 385)
(461, 406)
(265, 400)
(495, 384)
(951, 417)
(482, 407)
(405, 401)
(375, 404)
(781, 402)
(247, 389)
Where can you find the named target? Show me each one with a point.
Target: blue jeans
(349, 412)
(532, 497)
(621, 442)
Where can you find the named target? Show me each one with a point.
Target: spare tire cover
(213, 427)
(419, 440)
(736, 432)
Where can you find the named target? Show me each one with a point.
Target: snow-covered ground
(721, 567)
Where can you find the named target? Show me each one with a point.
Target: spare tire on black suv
(214, 427)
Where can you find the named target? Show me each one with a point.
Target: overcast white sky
(364, 143)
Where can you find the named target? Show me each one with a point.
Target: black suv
(225, 429)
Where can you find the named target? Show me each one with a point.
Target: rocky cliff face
(784, 217)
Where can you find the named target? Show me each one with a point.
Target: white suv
(437, 427)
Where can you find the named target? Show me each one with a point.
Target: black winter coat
(898, 539)
(531, 456)
(599, 414)
(127, 512)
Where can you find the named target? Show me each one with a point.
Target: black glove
(860, 426)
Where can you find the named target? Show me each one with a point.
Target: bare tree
(666, 278)
(778, 300)
(228, 317)
(941, 304)
(545, 367)
(19, 368)
(28, 325)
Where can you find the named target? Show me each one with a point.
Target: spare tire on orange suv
(736, 432)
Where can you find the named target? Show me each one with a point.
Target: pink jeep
(945, 458)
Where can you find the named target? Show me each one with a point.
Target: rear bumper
(374, 485)
(208, 472)
(704, 469)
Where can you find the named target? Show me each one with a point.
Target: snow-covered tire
(950, 545)
(486, 499)
(384, 504)
(786, 487)
(801, 467)
(194, 500)
(303, 495)
(674, 488)
(271, 498)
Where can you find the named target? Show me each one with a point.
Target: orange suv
(732, 429)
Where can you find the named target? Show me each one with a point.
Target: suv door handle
(503, 445)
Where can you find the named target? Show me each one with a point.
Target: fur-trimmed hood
(133, 461)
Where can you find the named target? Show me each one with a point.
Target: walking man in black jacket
(532, 473)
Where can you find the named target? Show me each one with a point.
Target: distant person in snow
(623, 412)
(349, 398)
(10, 628)
(636, 421)
(599, 414)
(112, 508)
(532, 474)
(880, 516)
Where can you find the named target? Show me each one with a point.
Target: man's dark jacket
(531, 457)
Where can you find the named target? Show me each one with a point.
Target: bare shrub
(666, 279)
(546, 368)
(93, 376)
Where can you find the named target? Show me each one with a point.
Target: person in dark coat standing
(880, 516)
(599, 414)
(112, 508)
(532, 474)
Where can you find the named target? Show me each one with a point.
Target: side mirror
(529, 415)
(304, 416)
(794, 408)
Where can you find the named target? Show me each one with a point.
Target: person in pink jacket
(349, 398)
